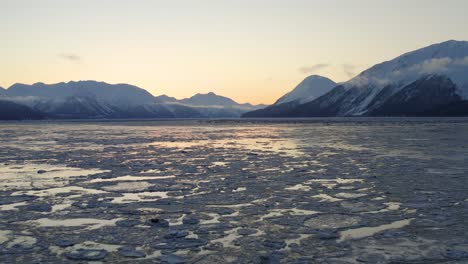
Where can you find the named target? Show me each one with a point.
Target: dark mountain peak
(452, 42)
(97, 84)
(165, 99)
(209, 94)
(85, 82)
(16, 85)
(208, 99)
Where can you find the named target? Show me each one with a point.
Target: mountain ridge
(94, 99)
(371, 91)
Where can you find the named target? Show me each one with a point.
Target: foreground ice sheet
(317, 191)
(35, 176)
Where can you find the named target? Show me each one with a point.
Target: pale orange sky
(252, 51)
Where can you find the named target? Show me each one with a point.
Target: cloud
(349, 70)
(313, 68)
(404, 73)
(363, 80)
(437, 65)
(462, 62)
(70, 57)
(434, 65)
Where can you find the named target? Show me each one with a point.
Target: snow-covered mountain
(115, 94)
(429, 81)
(309, 89)
(209, 99)
(374, 86)
(211, 105)
(91, 99)
(83, 99)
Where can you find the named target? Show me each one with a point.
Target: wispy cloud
(349, 69)
(437, 65)
(433, 65)
(70, 57)
(463, 62)
(313, 68)
(411, 72)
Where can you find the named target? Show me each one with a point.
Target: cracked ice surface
(306, 191)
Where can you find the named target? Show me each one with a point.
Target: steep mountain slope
(449, 59)
(13, 111)
(74, 107)
(423, 97)
(428, 81)
(309, 89)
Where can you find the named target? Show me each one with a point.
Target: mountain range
(94, 100)
(432, 81)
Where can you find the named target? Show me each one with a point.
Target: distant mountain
(309, 89)
(86, 99)
(432, 81)
(209, 99)
(91, 99)
(165, 99)
(204, 106)
(212, 105)
(115, 94)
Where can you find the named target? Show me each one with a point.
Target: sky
(250, 50)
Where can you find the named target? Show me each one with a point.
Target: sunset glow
(251, 51)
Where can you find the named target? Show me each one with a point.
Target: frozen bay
(235, 191)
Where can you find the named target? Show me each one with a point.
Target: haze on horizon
(252, 51)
